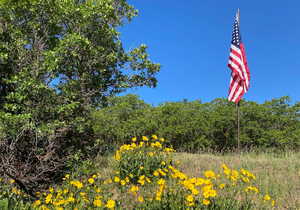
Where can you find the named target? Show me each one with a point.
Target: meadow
(147, 174)
(277, 173)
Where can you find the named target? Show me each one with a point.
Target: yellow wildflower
(123, 182)
(221, 186)
(150, 154)
(267, 197)
(155, 173)
(161, 182)
(116, 179)
(48, 198)
(134, 188)
(37, 203)
(110, 204)
(158, 196)
(209, 193)
(273, 202)
(91, 180)
(77, 184)
(199, 181)
(157, 144)
(234, 175)
(245, 179)
(141, 181)
(195, 191)
(169, 149)
(162, 172)
(59, 203)
(189, 198)
(44, 207)
(82, 194)
(97, 203)
(16, 191)
(209, 174)
(190, 204)
(205, 202)
(141, 199)
(71, 199)
(250, 188)
(117, 155)
(133, 139)
(145, 138)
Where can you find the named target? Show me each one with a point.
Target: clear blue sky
(191, 40)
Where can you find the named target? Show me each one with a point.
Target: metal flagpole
(238, 125)
(238, 107)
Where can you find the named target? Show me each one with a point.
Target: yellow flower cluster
(235, 176)
(145, 174)
(75, 193)
(77, 184)
(154, 142)
(161, 183)
(196, 190)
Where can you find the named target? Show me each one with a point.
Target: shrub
(142, 159)
(195, 126)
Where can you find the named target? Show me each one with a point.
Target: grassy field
(101, 182)
(278, 174)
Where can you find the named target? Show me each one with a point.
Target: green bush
(194, 126)
(145, 158)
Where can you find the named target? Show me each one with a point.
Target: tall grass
(277, 173)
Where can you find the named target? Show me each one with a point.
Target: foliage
(141, 159)
(194, 126)
(58, 61)
(167, 187)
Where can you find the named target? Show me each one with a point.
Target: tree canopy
(194, 126)
(59, 59)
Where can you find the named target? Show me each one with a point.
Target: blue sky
(191, 40)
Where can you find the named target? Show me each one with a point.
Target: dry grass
(278, 174)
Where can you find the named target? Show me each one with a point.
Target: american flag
(240, 75)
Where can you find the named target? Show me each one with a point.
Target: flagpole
(238, 106)
(238, 125)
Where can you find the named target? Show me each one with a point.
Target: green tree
(59, 59)
(193, 126)
(123, 118)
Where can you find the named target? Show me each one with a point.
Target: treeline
(193, 126)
